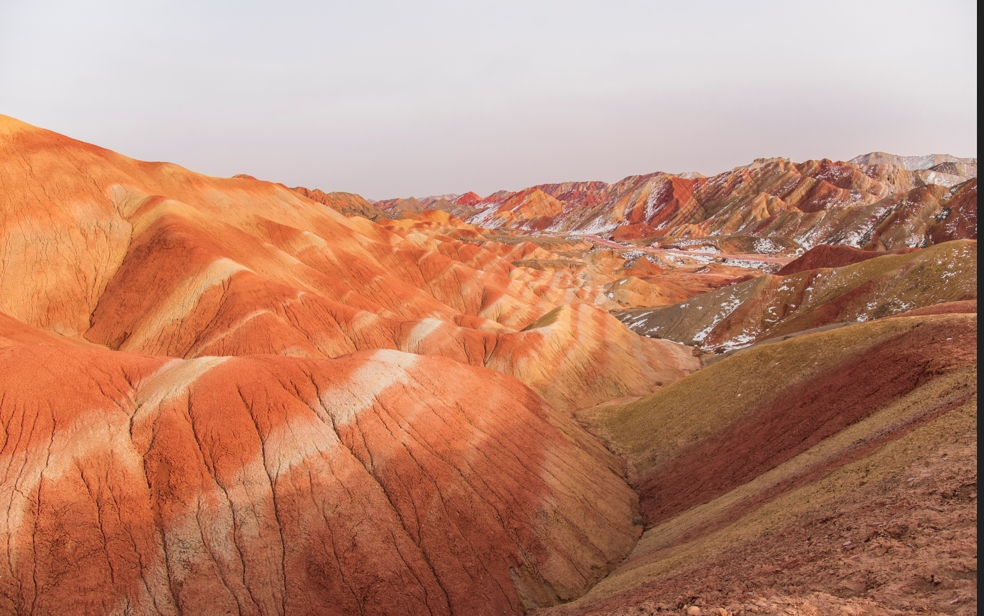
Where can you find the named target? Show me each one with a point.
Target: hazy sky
(395, 99)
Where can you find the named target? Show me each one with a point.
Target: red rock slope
(379, 483)
(827, 256)
(875, 203)
(154, 259)
(219, 396)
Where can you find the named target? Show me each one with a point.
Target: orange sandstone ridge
(874, 202)
(223, 395)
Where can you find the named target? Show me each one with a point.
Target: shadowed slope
(14, 332)
(959, 218)
(826, 256)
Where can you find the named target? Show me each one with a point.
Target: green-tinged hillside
(771, 306)
(828, 473)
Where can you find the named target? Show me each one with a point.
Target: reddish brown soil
(826, 255)
(901, 546)
(964, 307)
(959, 219)
(802, 416)
(469, 198)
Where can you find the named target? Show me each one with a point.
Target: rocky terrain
(749, 393)
(805, 295)
(875, 202)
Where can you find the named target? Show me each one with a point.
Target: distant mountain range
(876, 201)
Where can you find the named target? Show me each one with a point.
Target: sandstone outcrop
(378, 483)
(874, 202)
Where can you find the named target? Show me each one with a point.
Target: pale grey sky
(392, 99)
